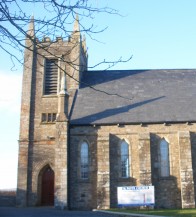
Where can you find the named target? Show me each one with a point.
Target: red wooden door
(48, 187)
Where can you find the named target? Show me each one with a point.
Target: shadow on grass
(161, 212)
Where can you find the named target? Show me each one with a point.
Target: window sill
(50, 96)
(47, 123)
(167, 178)
(127, 179)
(83, 181)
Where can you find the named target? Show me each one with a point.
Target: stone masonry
(49, 141)
(170, 192)
(43, 145)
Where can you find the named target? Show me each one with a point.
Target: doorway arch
(47, 186)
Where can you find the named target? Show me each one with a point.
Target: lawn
(161, 212)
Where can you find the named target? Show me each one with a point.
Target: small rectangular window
(53, 117)
(44, 117)
(51, 77)
(48, 117)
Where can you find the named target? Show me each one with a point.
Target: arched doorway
(47, 187)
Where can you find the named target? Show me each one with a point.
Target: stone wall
(7, 198)
(79, 196)
(193, 154)
(40, 144)
(176, 190)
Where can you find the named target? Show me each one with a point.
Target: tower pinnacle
(31, 30)
(76, 24)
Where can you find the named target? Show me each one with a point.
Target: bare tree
(56, 20)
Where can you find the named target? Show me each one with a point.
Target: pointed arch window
(164, 158)
(84, 161)
(124, 159)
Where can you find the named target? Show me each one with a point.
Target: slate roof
(148, 96)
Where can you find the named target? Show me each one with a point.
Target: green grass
(161, 212)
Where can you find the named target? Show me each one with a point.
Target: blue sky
(157, 33)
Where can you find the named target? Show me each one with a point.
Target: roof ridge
(164, 69)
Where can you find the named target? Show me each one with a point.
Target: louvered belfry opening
(51, 77)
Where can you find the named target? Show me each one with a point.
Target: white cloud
(10, 91)
(9, 172)
(10, 98)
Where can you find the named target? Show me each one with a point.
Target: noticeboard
(135, 196)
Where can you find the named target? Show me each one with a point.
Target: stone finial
(76, 24)
(30, 35)
(31, 29)
(76, 37)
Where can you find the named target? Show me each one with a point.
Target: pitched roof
(148, 96)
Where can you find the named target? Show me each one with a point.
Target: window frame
(45, 93)
(124, 166)
(84, 161)
(48, 118)
(164, 158)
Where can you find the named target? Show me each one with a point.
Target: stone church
(85, 133)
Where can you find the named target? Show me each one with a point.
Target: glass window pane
(49, 117)
(84, 164)
(44, 117)
(124, 159)
(164, 158)
(53, 117)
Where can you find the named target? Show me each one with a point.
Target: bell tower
(51, 76)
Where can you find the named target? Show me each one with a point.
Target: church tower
(51, 76)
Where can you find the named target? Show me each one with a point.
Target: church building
(85, 133)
